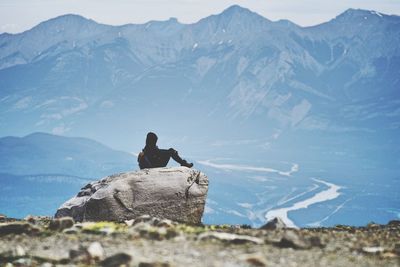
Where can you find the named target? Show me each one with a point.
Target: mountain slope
(235, 70)
(41, 171)
(41, 153)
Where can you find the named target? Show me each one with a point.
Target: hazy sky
(20, 15)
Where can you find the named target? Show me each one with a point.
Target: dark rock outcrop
(273, 224)
(18, 228)
(177, 193)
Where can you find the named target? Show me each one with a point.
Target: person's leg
(165, 155)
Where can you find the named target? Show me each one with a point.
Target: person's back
(153, 157)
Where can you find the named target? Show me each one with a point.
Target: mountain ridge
(231, 10)
(255, 71)
(44, 153)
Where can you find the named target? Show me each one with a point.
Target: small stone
(148, 231)
(397, 248)
(373, 250)
(230, 238)
(129, 222)
(273, 224)
(343, 227)
(171, 233)
(143, 218)
(141, 228)
(315, 241)
(79, 255)
(293, 240)
(164, 223)
(154, 221)
(14, 253)
(373, 225)
(71, 231)
(30, 219)
(18, 228)
(394, 223)
(256, 261)
(19, 251)
(117, 260)
(79, 226)
(38, 220)
(158, 234)
(154, 264)
(46, 264)
(54, 225)
(96, 251)
(389, 255)
(61, 223)
(24, 262)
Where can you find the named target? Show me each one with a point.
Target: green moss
(187, 229)
(103, 227)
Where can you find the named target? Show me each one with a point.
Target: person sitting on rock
(153, 157)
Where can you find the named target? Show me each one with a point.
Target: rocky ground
(146, 241)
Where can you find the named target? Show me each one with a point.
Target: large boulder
(177, 193)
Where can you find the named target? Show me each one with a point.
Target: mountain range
(236, 93)
(41, 153)
(40, 171)
(70, 75)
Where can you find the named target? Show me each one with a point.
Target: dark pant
(165, 155)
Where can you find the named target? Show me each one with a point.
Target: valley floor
(43, 241)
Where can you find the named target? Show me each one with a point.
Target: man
(153, 157)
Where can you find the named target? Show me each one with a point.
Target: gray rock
(165, 223)
(143, 218)
(96, 251)
(394, 223)
(396, 249)
(71, 231)
(79, 255)
(178, 194)
(117, 260)
(254, 260)
(25, 262)
(154, 264)
(294, 240)
(30, 219)
(38, 220)
(230, 238)
(273, 224)
(18, 228)
(61, 223)
(12, 253)
(145, 230)
(151, 221)
(373, 250)
(19, 251)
